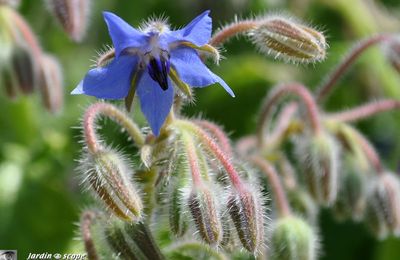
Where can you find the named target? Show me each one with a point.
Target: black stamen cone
(158, 70)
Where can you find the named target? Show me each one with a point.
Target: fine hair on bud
(318, 154)
(287, 39)
(205, 213)
(247, 213)
(383, 206)
(352, 195)
(293, 239)
(108, 175)
(51, 83)
(72, 15)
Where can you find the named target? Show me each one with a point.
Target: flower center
(158, 68)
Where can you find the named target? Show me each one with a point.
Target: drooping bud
(72, 15)
(319, 155)
(285, 38)
(25, 70)
(303, 205)
(293, 239)
(120, 243)
(204, 211)
(107, 174)
(383, 206)
(50, 83)
(352, 193)
(177, 217)
(246, 211)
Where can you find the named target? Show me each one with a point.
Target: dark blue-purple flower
(151, 59)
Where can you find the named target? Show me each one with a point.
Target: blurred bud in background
(24, 68)
(383, 206)
(72, 15)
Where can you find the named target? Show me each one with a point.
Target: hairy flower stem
(219, 135)
(269, 104)
(365, 146)
(329, 81)
(89, 125)
(283, 125)
(26, 33)
(86, 221)
(232, 30)
(275, 182)
(213, 147)
(192, 158)
(366, 110)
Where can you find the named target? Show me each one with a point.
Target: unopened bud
(289, 40)
(107, 174)
(25, 69)
(202, 206)
(319, 156)
(177, 217)
(50, 83)
(119, 241)
(352, 193)
(383, 206)
(293, 239)
(303, 205)
(72, 14)
(246, 212)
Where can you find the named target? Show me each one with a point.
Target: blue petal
(198, 31)
(110, 82)
(192, 70)
(122, 34)
(154, 102)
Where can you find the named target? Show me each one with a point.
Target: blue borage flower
(149, 60)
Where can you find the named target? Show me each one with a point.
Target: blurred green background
(40, 196)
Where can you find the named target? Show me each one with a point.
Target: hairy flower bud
(302, 203)
(246, 212)
(383, 206)
(177, 217)
(24, 67)
(203, 207)
(72, 15)
(293, 239)
(352, 193)
(319, 155)
(119, 242)
(289, 40)
(107, 174)
(50, 83)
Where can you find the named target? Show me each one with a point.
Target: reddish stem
(283, 121)
(89, 125)
(369, 151)
(218, 133)
(214, 148)
(329, 81)
(86, 222)
(292, 88)
(366, 110)
(193, 160)
(230, 31)
(276, 185)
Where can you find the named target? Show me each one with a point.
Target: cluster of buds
(24, 67)
(190, 177)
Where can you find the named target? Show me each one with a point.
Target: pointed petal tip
(78, 90)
